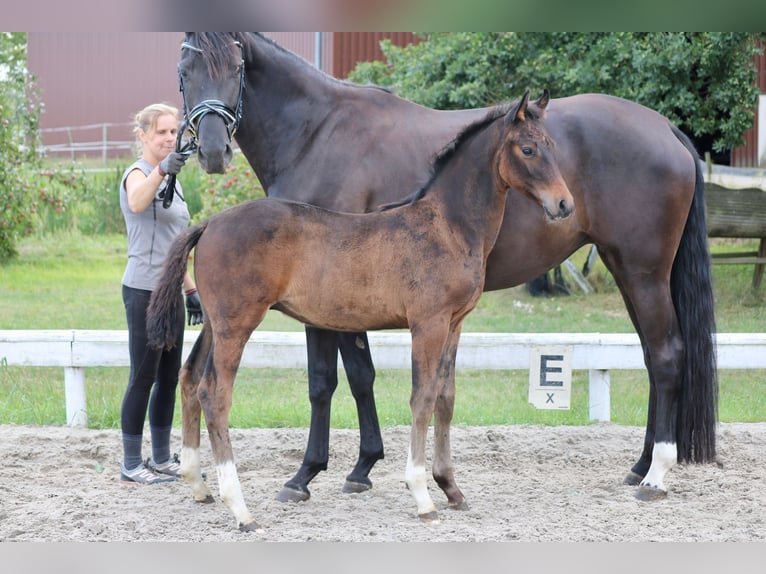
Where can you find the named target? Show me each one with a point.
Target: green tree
(19, 113)
(703, 81)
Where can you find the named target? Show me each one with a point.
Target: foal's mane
(442, 158)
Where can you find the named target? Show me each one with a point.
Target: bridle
(230, 117)
(192, 119)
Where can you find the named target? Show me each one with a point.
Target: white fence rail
(76, 350)
(101, 140)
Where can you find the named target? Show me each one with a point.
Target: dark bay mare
(418, 264)
(636, 181)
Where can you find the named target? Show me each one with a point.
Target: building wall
(101, 77)
(753, 152)
(89, 79)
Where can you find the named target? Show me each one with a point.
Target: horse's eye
(528, 151)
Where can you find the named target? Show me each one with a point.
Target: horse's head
(527, 161)
(211, 76)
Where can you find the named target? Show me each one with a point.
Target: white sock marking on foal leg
(664, 457)
(192, 473)
(231, 492)
(415, 477)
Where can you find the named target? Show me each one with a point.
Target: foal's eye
(528, 151)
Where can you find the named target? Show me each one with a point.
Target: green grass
(71, 281)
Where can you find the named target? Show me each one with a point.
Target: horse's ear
(543, 100)
(519, 113)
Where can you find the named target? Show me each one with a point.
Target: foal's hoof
(288, 494)
(354, 487)
(250, 527)
(647, 493)
(430, 517)
(632, 479)
(207, 500)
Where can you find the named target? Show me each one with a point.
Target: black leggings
(147, 366)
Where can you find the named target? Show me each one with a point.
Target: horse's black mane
(219, 47)
(443, 157)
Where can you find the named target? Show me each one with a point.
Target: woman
(151, 229)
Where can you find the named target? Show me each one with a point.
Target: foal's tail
(162, 314)
(692, 291)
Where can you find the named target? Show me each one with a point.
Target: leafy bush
(237, 185)
(703, 81)
(19, 112)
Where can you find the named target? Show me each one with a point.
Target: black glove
(193, 308)
(173, 163)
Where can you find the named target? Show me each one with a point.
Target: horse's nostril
(563, 206)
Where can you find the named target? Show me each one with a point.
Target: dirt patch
(528, 483)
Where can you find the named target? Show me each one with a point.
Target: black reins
(231, 119)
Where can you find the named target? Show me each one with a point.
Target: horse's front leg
(322, 354)
(428, 342)
(191, 373)
(357, 361)
(215, 394)
(443, 470)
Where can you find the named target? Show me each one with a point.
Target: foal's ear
(519, 113)
(543, 100)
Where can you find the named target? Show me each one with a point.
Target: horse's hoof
(354, 487)
(250, 527)
(462, 505)
(430, 517)
(647, 493)
(207, 500)
(632, 479)
(288, 494)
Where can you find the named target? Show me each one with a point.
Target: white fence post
(598, 395)
(74, 390)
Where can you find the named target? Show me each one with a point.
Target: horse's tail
(162, 315)
(692, 291)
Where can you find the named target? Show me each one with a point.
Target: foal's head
(527, 161)
(211, 76)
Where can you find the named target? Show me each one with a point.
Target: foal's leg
(443, 470)
(429, 339)
(191, 373)
(322, 349)
(357, 361)
(215, 394)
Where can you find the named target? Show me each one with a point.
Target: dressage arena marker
(550, 377)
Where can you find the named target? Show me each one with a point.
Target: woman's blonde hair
(146, 119)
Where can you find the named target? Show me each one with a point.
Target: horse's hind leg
(191, 373)
(322, 349)
(355, 350)
(443, 470)
(651, 308)
(215, 393)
